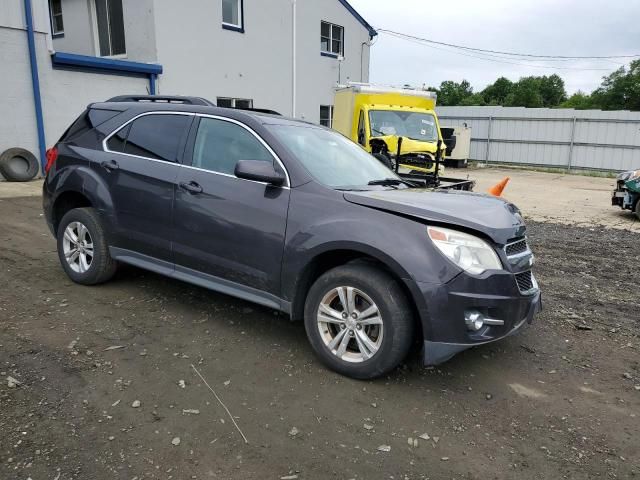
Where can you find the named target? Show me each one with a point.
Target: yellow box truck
(380, 118)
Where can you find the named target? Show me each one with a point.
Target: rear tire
(82, 247)
(637, 209)
(372, 335)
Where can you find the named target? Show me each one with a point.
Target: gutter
(35, 81)
(112, 66)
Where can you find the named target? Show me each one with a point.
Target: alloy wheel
(350, 324)
(77, 246)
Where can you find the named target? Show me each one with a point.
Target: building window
(326, 115)
(110, 22)
(55, 11)
(331, 39)
(227, 102)
(232, 15)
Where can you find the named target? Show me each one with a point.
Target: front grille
(524, 281)
(514, 248)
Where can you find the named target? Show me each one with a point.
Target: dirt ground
(559, 400)
(554, 197)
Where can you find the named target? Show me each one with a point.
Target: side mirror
(258, 171)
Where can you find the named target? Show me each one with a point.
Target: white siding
(64, 93)
(257, 64)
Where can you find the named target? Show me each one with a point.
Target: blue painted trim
(232, 28)
(365, 24)
(152, 83)
(35, 81)
(99, 63)
(329, 54)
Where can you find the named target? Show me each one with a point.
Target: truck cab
(377, 117)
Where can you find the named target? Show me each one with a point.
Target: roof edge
(365, 24)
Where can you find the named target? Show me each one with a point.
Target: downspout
(35, 81)
(152, 83)
(294, 61)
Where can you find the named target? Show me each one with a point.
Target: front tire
(637, 209)
(358, 321)
(82, 247)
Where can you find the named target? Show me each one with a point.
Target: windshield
(330, 158)
(415, 125)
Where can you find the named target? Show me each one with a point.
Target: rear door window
(220, 144)
(152, 136)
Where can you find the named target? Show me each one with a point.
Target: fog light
(474, 320)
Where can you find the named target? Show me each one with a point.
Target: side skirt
(194, 277)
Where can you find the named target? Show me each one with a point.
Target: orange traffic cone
(497, 189)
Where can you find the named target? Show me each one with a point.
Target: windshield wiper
(385, 182)
(390, 182)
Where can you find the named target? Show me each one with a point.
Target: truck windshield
(415, 125)
(330, 158)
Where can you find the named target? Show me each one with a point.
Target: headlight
(624, 176)
(470, 253)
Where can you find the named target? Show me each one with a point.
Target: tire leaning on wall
(18, 165)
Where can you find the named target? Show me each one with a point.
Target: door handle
(191, 187)
(110, 165)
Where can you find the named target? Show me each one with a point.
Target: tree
(552, 90)
(498, 91)
(473, 100)
(525, 93)
(579, 101)
(452, 93)
(620, 90)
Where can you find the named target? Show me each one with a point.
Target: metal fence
(567, 138)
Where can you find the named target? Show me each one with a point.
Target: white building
(283, 55)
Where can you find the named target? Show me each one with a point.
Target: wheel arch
(66, 201)
(334, 256)
(77, 188)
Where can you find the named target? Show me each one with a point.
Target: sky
(541, 27)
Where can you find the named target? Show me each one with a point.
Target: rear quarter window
(90, 118)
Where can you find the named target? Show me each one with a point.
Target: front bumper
(435, 353)
(496, 295)
(624, 199)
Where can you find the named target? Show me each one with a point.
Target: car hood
(492, 216)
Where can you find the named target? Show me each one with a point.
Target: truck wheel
(83, 249)
(18, 165)
(637, 209)
(358, 321)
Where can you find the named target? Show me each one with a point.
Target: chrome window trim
(106, 149)
(252, 132)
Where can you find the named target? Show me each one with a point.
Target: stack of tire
(18, 165)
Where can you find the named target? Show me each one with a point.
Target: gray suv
(292, 216)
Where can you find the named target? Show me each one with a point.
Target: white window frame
(330, 107)
(96, 36)
(240, 25)
(331, 39)
(234, 100)
(52, 19)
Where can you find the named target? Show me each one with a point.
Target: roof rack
(163, 99)
(258, 110)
